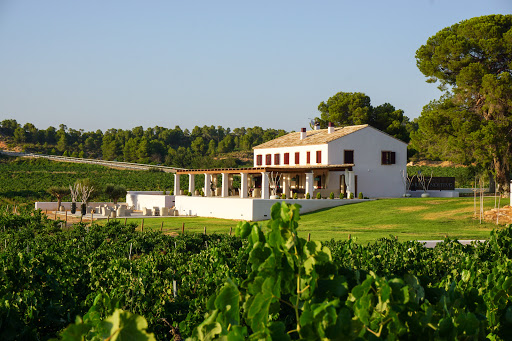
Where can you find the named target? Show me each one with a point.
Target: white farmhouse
(346, 160)
(350, 159)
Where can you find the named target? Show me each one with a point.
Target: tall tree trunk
(502, 170)
(492, 183)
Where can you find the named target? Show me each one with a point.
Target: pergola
(264, 172)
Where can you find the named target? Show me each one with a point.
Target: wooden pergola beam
(257, 170)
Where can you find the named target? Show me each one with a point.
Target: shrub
(295, 196)
(185, 192)
(308, 196)
(318, 195)
(331, 196)
(360, 196)
(283, 196)
(351, 195)
(342, 195)
(189, 194)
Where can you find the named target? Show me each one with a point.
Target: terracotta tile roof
(312, 137)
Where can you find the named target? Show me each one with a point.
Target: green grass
(408, 219)
(175, 224)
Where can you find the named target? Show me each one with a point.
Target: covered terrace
(259, 182)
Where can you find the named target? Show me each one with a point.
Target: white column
(351, 184)
(286, 185)
(265, 193)
(176, 184)
(309, 184)
(207, 180)
(347, 183)
(243, 185)
(225, 185)
(192, 183)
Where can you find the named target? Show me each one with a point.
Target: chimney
(330, 128)
(317, 125)
(302, 133)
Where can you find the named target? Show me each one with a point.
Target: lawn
(406, 218)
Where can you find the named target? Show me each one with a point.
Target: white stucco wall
(373, 178)
(139, 200)
(292, 150)
(246, 209)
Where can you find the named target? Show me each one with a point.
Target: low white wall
(139, 201)
(247, 209)
(227, 208)
(261, 207)
(52, 205)
(435, 194)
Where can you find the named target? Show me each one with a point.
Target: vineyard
(264, 283)
(24, 180)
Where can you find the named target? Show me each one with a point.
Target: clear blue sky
(119, 64)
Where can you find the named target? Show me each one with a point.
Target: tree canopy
(472, 122)
(354, 108)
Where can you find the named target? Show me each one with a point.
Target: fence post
(125, 220)
(162, 226)
(183, 228)
(204, 230)
(142, 226)
(230, 230)
(309, 237)
(174, 288)
(349, 237)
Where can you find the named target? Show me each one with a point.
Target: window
(277, 159)
(268, 159)
(259, 160)
(388, 158)
(318, 156)
(297, 158)
(348, 156)
(286, 158)
(308, 158)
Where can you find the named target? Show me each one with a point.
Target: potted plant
(74, 196)
(85, 188)
(273, 180)
(424, 184)
(308, 196)
(318, 195)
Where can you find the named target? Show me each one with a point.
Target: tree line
(157, 145)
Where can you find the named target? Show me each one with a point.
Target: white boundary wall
(149, 199)
(435, 194)
(247, 209)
